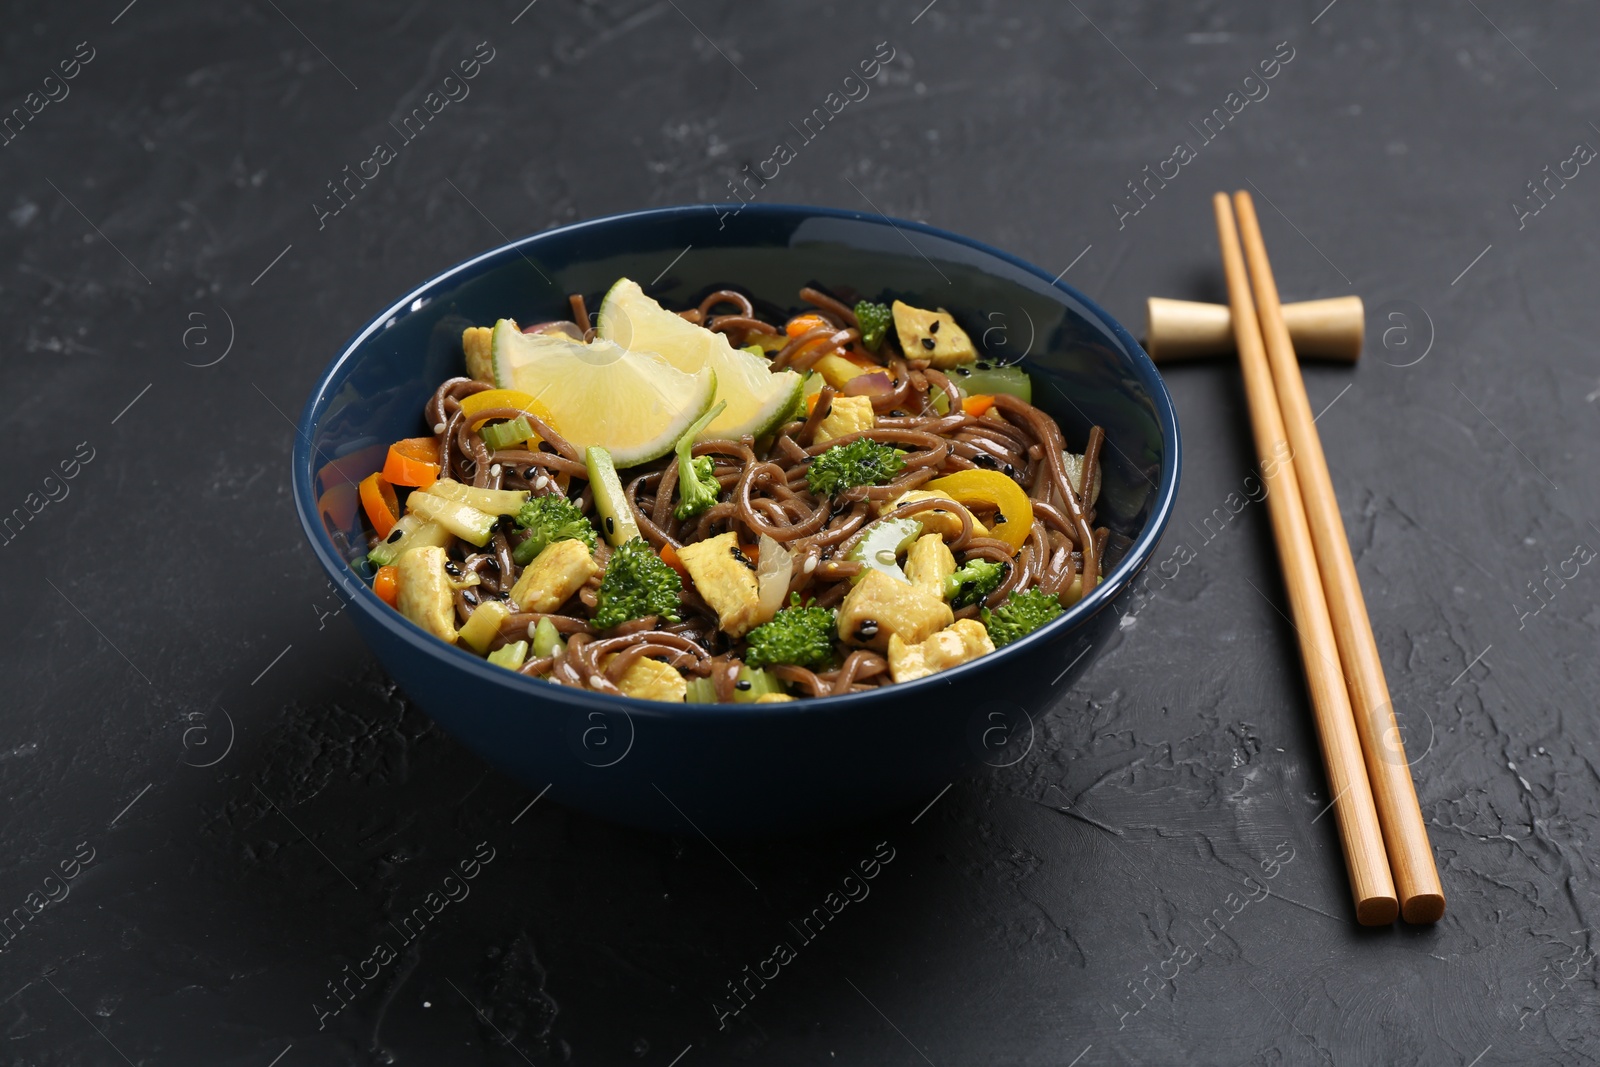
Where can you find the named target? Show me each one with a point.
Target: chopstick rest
(1177, 330)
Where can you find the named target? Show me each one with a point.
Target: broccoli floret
(873, 320)
(697, 488)
(636, 583)
(861, 462)
(975, 580)
(1020, 615)
(799, 635)
(549, 519)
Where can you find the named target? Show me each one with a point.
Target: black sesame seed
(451, 569)
(935, 327)
(867, 630)
(983, 459)
(898, 414)
(531, 473)
(963, 371)
(743, 685)
(611, 525)
(999, 518)
(1011, 472)
(928, 343)
(395, 536)
(984, 364)
(470, 597)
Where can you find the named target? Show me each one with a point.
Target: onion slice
(774, 569)
(559, 326)
(873, 383)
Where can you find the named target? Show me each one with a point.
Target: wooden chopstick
(1404, 833)
(1354, 813)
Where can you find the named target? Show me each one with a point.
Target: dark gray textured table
(215, 804)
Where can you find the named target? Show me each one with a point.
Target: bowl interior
(1086, 368)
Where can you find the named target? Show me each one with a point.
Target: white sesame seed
(438, 427)
(595, 681)
(494, 471)
(810, 564)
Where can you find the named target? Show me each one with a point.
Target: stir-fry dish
(706, 506)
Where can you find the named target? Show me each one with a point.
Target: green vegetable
(636, 584)
(1020, 615)
(498, 435)
(760, 683)
(799, 635)
(410, 531)
(492, 501)
(861, 462)
(511, 656)
(753, 683)
(974, 581)
(880, 547)
(549, 519)
(984, 379)
(610, 503)
(697, 488)
(547, 640)
(874, 321)
(463, 520)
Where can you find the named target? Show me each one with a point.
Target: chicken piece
(480, 362)
(553, 576)
(955, 644)
(880, 606)
(423, 593)
(726, 579)
(936, 520)
(651, 679)
(929, 563)
(932, 335)
(849, 414)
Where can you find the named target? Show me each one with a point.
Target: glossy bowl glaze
(743, 769)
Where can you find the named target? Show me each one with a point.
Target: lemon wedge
(758, 400)
(629, 403)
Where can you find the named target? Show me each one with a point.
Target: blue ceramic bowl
(743, 769)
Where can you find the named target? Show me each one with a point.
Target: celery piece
(410, 531)
(701, 691)
(610, 502)
(753, 683)
(511, 656)
(493, 501)
(547, 640)
(499, 435)
(463, 520)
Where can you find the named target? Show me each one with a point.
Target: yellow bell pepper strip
(382, 507)
(413, 461)
(995, 490)
(503, 398)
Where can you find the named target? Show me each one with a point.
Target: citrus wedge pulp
(758, 400)
(629, 403)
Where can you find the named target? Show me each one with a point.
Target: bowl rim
(358, 591)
